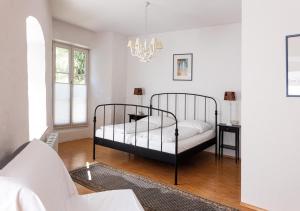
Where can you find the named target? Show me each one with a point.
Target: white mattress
(142, 140)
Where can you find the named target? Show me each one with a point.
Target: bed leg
(94, 151)
(94, 136)
(176, 172)
(216, 149)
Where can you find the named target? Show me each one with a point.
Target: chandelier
(144, 50)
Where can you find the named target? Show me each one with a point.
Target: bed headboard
(186, 105)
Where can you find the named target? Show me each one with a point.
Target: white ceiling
(127, 16)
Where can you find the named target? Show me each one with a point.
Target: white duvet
(124, 132)
(130, 127)
(116, 132)
(142, 125)
(190, 133)
(166, 135)
(154, 141)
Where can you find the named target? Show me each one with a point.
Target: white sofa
(37, 180)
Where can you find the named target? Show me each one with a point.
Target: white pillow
(196, 124)
(156, 120)
(16, 197)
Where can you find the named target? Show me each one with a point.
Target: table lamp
(139, 93)
(229, 96)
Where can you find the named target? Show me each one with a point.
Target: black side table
(136, 117)
(231, 129)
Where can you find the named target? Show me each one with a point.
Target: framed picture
(293, 65)
(183, 67)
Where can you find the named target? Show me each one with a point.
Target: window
(37, 111)
(70, 85)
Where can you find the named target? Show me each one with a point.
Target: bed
(179, 126)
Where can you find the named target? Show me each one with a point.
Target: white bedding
(141, 125)
(187, 138)
(183, 144)
(167, 135)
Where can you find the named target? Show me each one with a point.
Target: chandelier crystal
(144, 50)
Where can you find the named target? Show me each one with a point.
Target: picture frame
(183, 67)
(293, 65)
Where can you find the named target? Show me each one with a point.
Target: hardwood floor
(203, 175)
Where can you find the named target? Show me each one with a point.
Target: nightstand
(230, 129)
(136, 117)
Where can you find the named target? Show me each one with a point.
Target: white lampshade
(158, 44)
(129, 45)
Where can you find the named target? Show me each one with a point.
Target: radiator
(52, 140)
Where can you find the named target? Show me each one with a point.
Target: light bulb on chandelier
(144, 50)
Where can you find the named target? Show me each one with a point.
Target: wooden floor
(203, 175)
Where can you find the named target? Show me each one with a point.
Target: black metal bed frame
(173, 159)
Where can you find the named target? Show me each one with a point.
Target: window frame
(71, 49)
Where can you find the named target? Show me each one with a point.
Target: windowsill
(65, 127)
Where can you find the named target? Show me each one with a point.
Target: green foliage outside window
(62, 66)
(79, 67)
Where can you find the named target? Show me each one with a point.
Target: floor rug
(152, 195)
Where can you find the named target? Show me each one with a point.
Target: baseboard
(73, 134)
(252, 207)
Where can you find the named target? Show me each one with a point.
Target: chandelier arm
(131, 51)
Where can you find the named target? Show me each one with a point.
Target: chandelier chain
(146, 16)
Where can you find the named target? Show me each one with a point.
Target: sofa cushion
(40, 175)
(121, 200)
(16, 197)
(39, 168)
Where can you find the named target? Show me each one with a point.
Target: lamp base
(228, 123)
(234, 122)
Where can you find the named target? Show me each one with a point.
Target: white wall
(216, 68)
(270, 134)
(72, 34)
(106, 65)
(109, 62)
(119, 68)
(13, 67)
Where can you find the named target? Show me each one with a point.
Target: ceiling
(127, 16)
